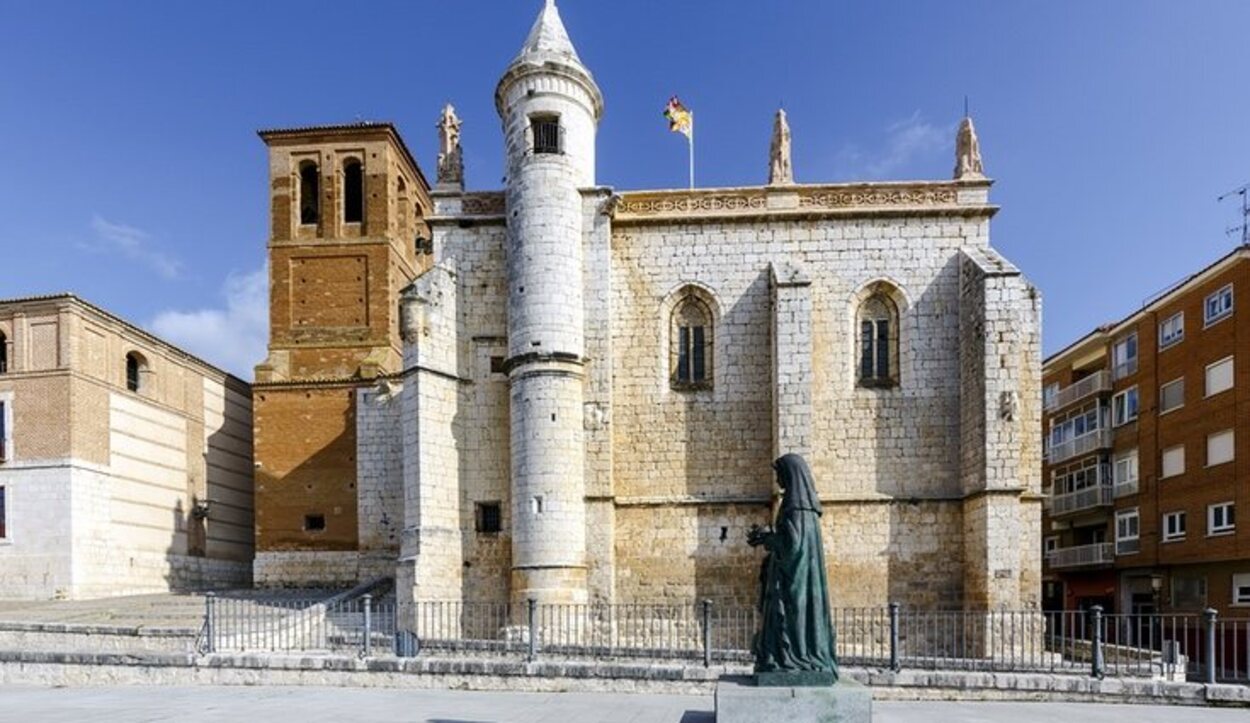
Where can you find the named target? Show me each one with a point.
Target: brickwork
(111, 490)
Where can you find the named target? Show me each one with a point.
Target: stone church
(570, 392)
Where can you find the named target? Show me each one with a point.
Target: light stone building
(583, 389)
(125, 463)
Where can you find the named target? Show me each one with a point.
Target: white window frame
(1116, 421)
(1207, 317)
(1119, 365)
(1232, 376)
(1050, 544)
(1163, 474)
(1241, 588)
(1049, 393)
(1177, 336)
(1174, 382)
(1131, 464)
(1172, 531)
(1124, 516)
(1225, 527)
(1232, 450)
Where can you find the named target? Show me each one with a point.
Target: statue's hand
(756, 536)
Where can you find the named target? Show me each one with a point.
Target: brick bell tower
(347, 233)
(550, 107)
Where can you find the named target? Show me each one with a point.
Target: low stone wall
(56, 637)
(296, 569)
(81, 669)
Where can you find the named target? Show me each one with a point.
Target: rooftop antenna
(1244, 227)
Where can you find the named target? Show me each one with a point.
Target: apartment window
(1241, 589)
(546, 134)
(1127, 529)
(1125, 472)
(4, 519)
(1221, 519)
(1189, 592)
(1172, 395)
(1124, 356)
(1050, 544)
(1124, 406)
(1220, 376)
(1076, 478)
(1172, 330)
(1173, 461)
(1173, 526)
(309, 199)
(1218, 305)
(1049, 393)
(1075, 424)
(1220, 447)
(353, 191)
(488, 517)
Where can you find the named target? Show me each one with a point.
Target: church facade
(571, 393)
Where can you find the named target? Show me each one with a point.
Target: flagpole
(691, 151)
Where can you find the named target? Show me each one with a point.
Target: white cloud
(234, 337)
(134, 243)
(907, 141)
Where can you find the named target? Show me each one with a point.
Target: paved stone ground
(306, 705)
(164, 610)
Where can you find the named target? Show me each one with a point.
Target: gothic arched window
(691, 337)
(878, 341)
(309, 188)
(353, 191)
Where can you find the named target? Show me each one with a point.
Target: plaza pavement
(307, 705)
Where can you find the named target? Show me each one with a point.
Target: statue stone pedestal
(740, 700)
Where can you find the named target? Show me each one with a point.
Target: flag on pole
(680, 119)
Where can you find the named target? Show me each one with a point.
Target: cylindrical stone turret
(550, 107)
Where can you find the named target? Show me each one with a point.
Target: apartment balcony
(1095, 383)
(1084, 444)
(1099, 495)
(1102, 553)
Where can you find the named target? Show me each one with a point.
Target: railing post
(894, 658)
(367, 648)
(210, 644)
(532, 610)
(1098, 669)
(1210, 615)
(707, 633)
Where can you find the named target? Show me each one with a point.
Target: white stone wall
(228, 486)
(306, 568)
(35, 556)
(379, 468)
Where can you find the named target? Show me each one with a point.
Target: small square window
(1220, 447)
(1172, 330)
(496, 365)
(1172, 395)
(1218, 305)
(1241, 588)
(1221, 518)
(547, 135)
(1173, 461)
(1220, 376)
(488, 517)
(314, 523)
(1173, 526)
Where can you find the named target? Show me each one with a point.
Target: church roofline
(387, 127)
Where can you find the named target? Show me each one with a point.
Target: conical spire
(548, 37)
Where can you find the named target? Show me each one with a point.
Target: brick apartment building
(1147, 425)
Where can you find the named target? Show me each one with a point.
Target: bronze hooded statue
(795, 644)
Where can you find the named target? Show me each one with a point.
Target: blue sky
(133, 176)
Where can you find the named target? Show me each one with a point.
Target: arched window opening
(309, 193)
(136, 369)
(878, 341)
(353, 192)
(401, 206)
(691, 339)
(4, 353)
